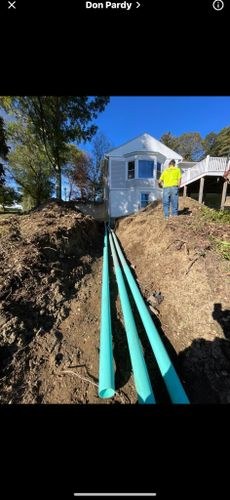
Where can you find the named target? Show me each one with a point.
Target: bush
(223, 248)
(212, 215)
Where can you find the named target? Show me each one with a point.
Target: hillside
(187, 260)
(50, 288)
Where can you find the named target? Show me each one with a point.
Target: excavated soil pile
(50, 305)
(179, 261)
(44, 256)
(50, 291)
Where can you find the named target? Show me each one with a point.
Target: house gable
(142, 144)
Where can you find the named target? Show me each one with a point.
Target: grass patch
(4, 216)
(222, 247)
(211, 215)
(8, 214)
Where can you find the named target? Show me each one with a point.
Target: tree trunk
(58, 183)
(38, 196)
(38, 201)
(70, 191)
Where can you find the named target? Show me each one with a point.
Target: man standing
(171, 179)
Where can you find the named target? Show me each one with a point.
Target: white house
(132, 172)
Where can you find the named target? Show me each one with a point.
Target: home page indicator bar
(115, 494)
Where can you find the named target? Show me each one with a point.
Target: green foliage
(223, 247)
(193, 148)
(57, 121)
(223, 142)
(101, 145)
(5, 103)
(85, 173)
(189, 145)
(8, 196)
(217, 144)
(77, 171)
(219, 217)
(210, 144)
(170, 141)
(211, 215)
(3, 149)
(29, 166)
(28, 202)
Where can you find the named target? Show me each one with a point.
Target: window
(146, 169)
(144, 199)
(158, 170)
(131, 169)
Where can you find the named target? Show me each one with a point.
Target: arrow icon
(138, 5)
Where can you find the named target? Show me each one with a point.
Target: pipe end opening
(106, 393)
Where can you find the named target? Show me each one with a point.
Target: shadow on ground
(120, 345)
(206, 364)
(184, 211)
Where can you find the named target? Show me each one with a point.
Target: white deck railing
(211, 165)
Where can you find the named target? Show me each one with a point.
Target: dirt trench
(50, 289)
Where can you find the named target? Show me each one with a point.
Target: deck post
(185, 191)
(201, 190)
(224, 192)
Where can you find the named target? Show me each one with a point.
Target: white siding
(123, 202)
(124, 193)
(117, 173)
(141, 184)
(127, 201)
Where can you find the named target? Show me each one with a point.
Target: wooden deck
(209, 167)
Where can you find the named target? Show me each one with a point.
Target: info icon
(218, 4)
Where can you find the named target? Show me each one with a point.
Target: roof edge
(130, 140)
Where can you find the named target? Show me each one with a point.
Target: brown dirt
(179, 259)
(50, 287)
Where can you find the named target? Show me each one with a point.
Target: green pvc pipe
(106, 387)
(168, 372)
(140, 372)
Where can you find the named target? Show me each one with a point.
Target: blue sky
(126, 117)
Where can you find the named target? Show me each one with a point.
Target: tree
(210, 144)
(101, 145)
(3, 149)
(28, 165)
(223, 142)
(170, 141)
(77, 170)
(57, 121)
(8, 196)
(188, 145)
(217, 144)
(69, 169)
(68, 172)
(85, 172)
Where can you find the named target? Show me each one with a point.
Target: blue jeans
(170, 195)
